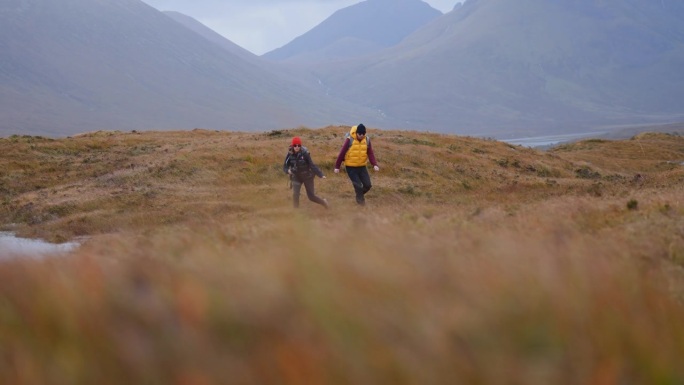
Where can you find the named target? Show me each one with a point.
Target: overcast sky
(263, 25)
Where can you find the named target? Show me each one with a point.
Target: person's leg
(311, 193)
(354, 174)
(296, 190)
(365, 179)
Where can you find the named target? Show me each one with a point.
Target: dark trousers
(361, 180)
(310, 191)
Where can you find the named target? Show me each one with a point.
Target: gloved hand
(376, 168)
(337, 171)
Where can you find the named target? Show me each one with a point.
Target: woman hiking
(301, 169)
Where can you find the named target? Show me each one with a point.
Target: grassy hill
(474, 262)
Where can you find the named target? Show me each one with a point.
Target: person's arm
(371, 155)
(313, 166)
(286, 167)
(343, 152)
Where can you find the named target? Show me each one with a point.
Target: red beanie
(296, 140)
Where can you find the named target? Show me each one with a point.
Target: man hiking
(356, 152)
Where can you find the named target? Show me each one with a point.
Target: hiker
(301, 169)
(356, 152)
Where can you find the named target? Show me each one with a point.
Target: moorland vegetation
(474, 261)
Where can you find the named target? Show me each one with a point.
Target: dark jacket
(301, 165)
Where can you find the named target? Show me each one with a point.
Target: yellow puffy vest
(357, 154)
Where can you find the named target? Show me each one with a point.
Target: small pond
(11, 246)
(550, 140)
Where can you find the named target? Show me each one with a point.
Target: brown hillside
(474, 262)
(106, 182)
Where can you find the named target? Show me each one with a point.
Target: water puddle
(550, 140)
(11, 246)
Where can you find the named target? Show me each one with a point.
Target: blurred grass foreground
(475, 262)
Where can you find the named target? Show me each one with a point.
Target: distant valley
(488, 68)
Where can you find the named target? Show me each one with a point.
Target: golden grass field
(474, 262)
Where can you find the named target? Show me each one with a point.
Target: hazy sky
(263, 25)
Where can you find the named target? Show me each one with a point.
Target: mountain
(498, 67)
(291, 73)
(359, 29)
(210, 34)
(487, 68)
(71, 66)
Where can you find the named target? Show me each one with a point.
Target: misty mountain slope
(495, 66)
(358, 29)
(81, 65)
(293, 74)
(210, 34)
